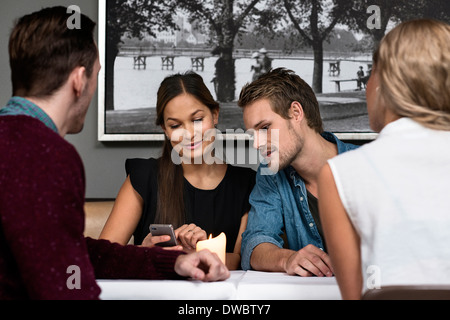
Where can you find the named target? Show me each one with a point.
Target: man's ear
(79, 80)
(296, 111)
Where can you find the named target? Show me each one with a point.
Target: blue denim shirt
(280, 202)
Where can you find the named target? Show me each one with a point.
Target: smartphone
(164, 230)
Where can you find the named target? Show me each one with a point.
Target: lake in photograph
(136, 89)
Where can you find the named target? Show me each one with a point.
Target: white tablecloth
(241, 285)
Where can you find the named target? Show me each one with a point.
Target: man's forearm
(269, 257)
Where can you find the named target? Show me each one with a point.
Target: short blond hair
(413, 62)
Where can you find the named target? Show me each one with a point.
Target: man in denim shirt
(283, 113)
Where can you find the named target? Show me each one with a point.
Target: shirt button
(311, 224)
(301, 198)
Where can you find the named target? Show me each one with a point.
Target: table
(242, 285)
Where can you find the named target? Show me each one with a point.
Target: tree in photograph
(135, 19)
(391, 13)
(225, 18)
(313, 22)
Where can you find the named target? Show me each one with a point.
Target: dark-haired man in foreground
(42, 183)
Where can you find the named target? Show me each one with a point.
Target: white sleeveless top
(396, 191)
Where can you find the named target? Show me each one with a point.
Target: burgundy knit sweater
(42, 189)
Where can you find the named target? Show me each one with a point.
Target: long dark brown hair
(170, 205)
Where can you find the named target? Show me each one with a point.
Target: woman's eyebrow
(195, 112)
(192, 114)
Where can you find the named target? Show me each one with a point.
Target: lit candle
(217, 245)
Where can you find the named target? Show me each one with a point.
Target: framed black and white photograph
(329, 43)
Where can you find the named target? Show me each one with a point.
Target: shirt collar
(20, 106)
(342, 147)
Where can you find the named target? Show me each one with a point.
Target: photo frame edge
(104, 137)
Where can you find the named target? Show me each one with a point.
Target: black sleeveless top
(215, 211)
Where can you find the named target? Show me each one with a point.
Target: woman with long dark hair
(188, 187)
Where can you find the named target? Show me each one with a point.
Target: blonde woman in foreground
(385, 208)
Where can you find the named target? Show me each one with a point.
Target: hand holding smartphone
(164, 230)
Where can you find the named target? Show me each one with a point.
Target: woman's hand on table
(203, 265)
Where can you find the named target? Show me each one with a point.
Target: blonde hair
(413, 62)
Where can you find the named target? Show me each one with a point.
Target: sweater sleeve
(43, 252)
(113, 261)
